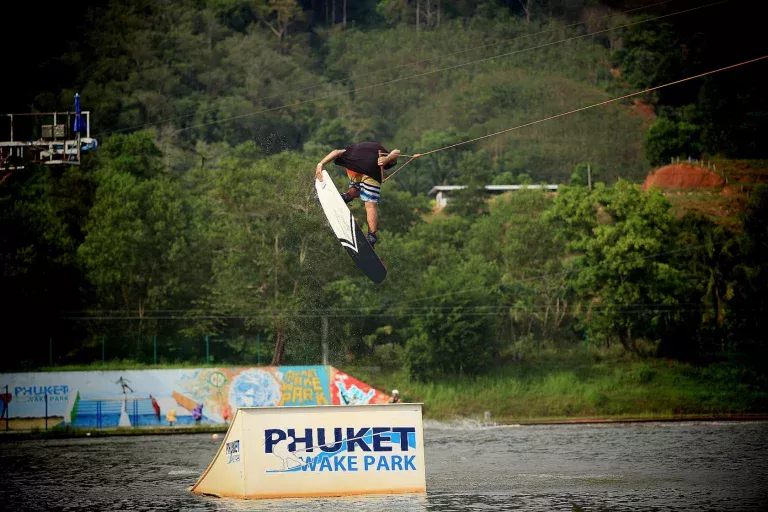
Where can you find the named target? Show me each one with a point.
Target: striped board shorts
(370, 189)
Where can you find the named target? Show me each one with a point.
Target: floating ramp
(281, 452)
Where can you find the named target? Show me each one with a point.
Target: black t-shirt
(363, 158)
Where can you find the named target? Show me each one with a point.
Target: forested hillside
(205, 76)
(196, 218)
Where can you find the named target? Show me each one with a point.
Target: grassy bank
(584, 386)
(575, 385)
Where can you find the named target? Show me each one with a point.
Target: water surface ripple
(643, 466)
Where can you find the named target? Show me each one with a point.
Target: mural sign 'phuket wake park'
(183, 396)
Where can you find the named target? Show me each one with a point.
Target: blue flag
(79, 122)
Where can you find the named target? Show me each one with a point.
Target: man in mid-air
(365, 163)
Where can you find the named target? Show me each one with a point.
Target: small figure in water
(395, 397)
(124, 383)
(170, 417)
(365, 169)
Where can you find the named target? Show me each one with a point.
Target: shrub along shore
(579, 386)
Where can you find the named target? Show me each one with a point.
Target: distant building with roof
(442, 193)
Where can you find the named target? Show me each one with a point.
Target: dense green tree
(269, 240)
(476, 173)
(441, 168)
(331, 134)
(584, 174)
(623, 241)
(667, 139)
(707, 257)
(751, 299)
(516, 237)
(455, 334)
(140, 234)
(40, 228)
(649, 55)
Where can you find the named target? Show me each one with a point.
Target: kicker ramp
(281, 452)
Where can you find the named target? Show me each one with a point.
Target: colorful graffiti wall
(347, 390)
(185, 396)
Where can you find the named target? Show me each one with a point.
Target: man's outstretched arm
(330, 157)
(390, 158)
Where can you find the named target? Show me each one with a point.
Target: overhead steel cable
(627, 311)
(574, 111)
(266, 313)
(153, 314)
(399, 66)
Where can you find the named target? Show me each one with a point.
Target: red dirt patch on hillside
(645, 111)
(682, 176)
(719, 194)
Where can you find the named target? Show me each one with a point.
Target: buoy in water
(215, 436)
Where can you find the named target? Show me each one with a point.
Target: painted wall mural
(185, 396)
(347, 390)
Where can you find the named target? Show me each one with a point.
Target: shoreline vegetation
(550, 388)
(578, 385)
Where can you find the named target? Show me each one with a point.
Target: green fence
(235, 347)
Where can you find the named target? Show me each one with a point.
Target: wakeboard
(348, 231)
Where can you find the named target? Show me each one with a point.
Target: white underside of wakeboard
(338, 214)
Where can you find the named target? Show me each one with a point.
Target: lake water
(640, 466)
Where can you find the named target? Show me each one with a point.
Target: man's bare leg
(373, 217)
(350, 195)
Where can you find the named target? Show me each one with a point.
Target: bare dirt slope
(683, 176)
(718, 190)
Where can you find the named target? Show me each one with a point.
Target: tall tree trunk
(560, 317)
(277, 255)
(720, 309)
(279, 355)
(526, 4)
